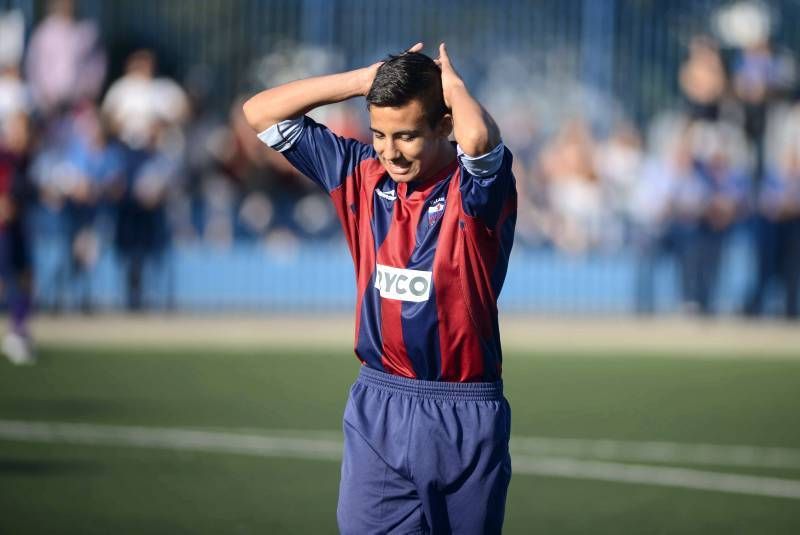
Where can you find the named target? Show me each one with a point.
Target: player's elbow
(255, 115)
(477, 143)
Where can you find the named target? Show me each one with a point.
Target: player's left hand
(450, 78)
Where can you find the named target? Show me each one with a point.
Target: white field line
(323, 446)
(657, 475)
(660, 452)
(173, 439)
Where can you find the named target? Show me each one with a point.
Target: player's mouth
(398, 168)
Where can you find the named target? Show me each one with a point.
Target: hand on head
(450, 78)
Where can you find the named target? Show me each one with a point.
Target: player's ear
(445, 126)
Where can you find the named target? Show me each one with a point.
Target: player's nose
(389, 150)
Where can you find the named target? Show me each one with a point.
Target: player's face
(406, 144)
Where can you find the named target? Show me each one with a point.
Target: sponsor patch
(403, 284)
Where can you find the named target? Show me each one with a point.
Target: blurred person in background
(618, 162)
(147, 113)
(659, 233)
(703, 80)
(762, 77)
(96, 163)
(575, 196)
(778, 227)
(16, 195)
(73, 171)
(142, 233)
(722, 189)
(65, 63)
(138, 102)
(686, 209)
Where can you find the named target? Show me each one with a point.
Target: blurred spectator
(138, 101)
(96, 164)
(574, 192)
(778, 227)
(761, 77)
(703, 80)
(656, 214)
(618, 161)
(142, 230)
(16, 276)
(65, 63)
(721, 192)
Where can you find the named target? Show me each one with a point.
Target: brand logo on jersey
(436, 210)
(403, 284)
(390, 195)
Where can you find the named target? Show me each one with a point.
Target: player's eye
(408, 137)
(377, 135)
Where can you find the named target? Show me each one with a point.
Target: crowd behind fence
(645, 135)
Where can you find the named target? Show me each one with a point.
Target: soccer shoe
(18, 349)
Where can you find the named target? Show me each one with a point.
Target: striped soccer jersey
(430, 256)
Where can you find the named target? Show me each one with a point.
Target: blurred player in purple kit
(430, 224)
(15, 263)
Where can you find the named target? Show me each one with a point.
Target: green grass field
(62, 483)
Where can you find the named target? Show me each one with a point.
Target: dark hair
(406, 77)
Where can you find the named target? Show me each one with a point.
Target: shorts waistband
(441, 390)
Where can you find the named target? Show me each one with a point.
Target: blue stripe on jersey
(506, 236)
(369, 346)
(492, 354)
(382, 210)
(420, 328)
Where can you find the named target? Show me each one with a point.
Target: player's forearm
(473, 127)
(296, 98)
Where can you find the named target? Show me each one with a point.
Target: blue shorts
(424, 456)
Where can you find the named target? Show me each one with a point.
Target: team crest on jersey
(436, 210)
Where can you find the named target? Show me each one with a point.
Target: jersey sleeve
(316, 151)
(487, 183)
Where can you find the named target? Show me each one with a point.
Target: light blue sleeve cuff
(485, 164)
(283, 135)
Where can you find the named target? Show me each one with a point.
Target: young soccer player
(430, 225)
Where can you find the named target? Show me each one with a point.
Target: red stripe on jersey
(396, 251)
(349, 200)
(462, 357)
